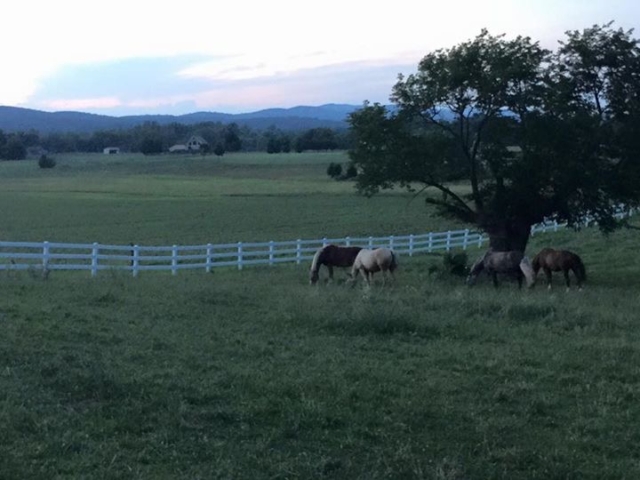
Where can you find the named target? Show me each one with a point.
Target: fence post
(239, 255)
(324, 242)
(411, 245)
(555, 225)
(370, 242)
(465, 239)
(480, 239)
(45, 256)
(174, 259)
(347, 241)
(430, 242)
(298, 251)
(94, 259)
(270, 252)
(448, 240)
(136, 260)
(391, 242)
(209, 257)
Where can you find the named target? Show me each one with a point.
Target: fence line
(95, 257)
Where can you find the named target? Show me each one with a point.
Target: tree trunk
(507, 236)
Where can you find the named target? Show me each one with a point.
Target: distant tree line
(152, 138)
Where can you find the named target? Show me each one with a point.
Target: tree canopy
(536, 134)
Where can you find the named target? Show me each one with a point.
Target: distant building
(196, 142)
(178, 149)
(111, 151)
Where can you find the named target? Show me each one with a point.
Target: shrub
(46, 162)
(455, 264)
(334, 170)
(219, 150)
(351, 172)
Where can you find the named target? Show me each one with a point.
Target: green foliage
(46, 162)
(151, 145)
(14, 149)
(219, 150)
(232, 141)
(352, 171)
(317, 139)
(205, 149)
(334, 170)
(537, 135)
(273, 145)
(456, 263)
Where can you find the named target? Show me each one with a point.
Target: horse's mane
(316, 258)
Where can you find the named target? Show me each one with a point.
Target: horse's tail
(394, 261)
(528, 271)
(579, 270)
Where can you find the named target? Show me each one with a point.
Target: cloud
(133, 54)
(157, 88)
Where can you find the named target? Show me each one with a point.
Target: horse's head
(475, 270)
(313, 276)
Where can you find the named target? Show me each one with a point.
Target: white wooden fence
(47, 256)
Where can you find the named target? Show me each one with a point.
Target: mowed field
(254, 374)
(166, 200)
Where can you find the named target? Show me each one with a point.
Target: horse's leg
(494, 276)
(330, 268)
(547, 273)
(566, 278)
(576, 272)
(520, 277)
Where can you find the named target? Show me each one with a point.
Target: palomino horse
(551, 260)
(331, 256)
(512, 263)
(371, 261)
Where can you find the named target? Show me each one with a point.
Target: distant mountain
(14, 119)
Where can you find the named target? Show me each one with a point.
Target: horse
(512, 263)
(551, 260)
(371, 261)
(331, 256)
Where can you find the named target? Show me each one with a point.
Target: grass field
(256, 375)
(194, 200)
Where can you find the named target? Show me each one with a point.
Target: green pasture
(167, 200)
(254, 374)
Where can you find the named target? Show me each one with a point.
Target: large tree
(536, 134)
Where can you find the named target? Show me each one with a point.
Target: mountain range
(13, 119)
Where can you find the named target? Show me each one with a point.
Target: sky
(147, 57)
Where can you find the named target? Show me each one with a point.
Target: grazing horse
(551, 260)
(513, 263)
(331, 256)
(371, 261)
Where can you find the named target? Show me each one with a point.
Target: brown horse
(551, 260)
(331, 256)
(371, 261)
(512, 263)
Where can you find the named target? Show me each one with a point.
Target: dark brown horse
(551, 260)
(332, 256)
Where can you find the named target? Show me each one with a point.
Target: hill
(14, 119)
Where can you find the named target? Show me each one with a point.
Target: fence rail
(95, 257)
